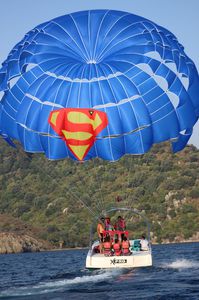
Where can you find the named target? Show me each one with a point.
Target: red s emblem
(78, 127)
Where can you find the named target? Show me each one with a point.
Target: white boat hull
(134, 260)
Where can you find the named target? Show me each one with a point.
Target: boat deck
(137, 253)
(136, 259)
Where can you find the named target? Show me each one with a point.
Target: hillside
(18, 236)
(60, 198)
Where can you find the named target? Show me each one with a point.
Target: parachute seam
(113, 93)
(119, 42)
(118, 33)
(49, 151)
(71, 39)
(68, 96)
(133, 112)
(80, 35)
(10, 91)
(141, 97)
(91, 105)
(3, 109)
(89, 32)
(27, 112)
(78, 100)
(140, 33)
(164, 93)
(105, 111)
(77, 79)
(143, 82)
(97, 37)
(113, 27)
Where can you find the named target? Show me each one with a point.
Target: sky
(179, 16)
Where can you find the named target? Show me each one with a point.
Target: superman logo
(78, 127)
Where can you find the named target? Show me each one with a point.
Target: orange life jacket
(117, 249)
(120, 225)
(107, 247)
(125, 247)
(100, 228)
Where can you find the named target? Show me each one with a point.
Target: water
(62, 275)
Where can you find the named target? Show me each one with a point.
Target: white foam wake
(182, 264)
(78, 280)
(58, 285)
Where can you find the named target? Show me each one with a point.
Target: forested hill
(61, 198)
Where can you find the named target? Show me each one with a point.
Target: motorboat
(134, 259)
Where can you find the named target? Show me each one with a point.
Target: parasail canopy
(98, 83)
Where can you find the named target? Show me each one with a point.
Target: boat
(136, 257)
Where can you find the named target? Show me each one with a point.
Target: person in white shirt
(144, 244)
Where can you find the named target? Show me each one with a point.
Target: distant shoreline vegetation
(26, 244)
(45, 198)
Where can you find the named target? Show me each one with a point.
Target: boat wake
(63, 284)
(181, 264)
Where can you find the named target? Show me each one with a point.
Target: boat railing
(112, 233)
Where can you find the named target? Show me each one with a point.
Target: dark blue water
(62, 275)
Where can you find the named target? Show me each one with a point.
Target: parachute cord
(129, 203)
(85, 205)
(128, 181)
(93, 198)
(98, 209)
(96, 201)
(125, 196)
(147, 155)
(100, 204)
(130, 200)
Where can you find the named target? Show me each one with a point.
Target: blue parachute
(112, 62)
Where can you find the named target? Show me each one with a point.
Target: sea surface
(61, 275)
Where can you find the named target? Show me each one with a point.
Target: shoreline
(87, 248)
(81, 248)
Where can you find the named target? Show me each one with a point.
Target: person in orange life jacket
(100, 229)
(120, 225)
(117, 248)
(125, 246)
(108, 225)
(107, 246)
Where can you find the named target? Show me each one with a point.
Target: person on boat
(100, 230)
(108, 225)
(144, 244)
(117, 248)
(107, 246)
(125, 246)
(120, 225)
